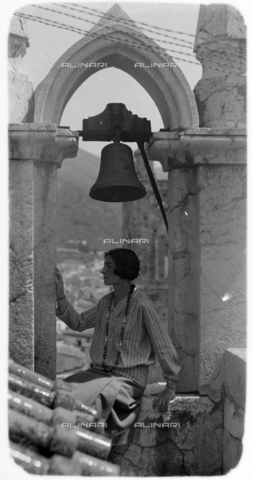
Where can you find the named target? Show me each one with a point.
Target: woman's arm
(66, 312)
(76, 321)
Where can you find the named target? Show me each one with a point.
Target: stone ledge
(212, 131)
(42, 142)
(182, 403)
(198, 146)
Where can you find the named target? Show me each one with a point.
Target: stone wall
(222, 252)
(203, 435)
(189, 443)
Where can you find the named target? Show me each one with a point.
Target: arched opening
(77, 175)
(165, 83)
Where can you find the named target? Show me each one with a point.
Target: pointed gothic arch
(121, 46)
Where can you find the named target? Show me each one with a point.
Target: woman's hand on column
(59, 283)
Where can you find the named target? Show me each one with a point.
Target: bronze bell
(117, 180)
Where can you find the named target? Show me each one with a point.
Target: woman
(128, 335)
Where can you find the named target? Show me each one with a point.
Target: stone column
(207, 234)
(206, 203)
(36, 150)
(220, 46)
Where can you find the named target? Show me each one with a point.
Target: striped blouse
(144, 339)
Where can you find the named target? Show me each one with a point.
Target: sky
(40, 56)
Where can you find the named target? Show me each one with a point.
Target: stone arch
(125, 46)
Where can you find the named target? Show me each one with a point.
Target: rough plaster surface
(221, 103)
(225, 20)
(21, 263)
(182, 272)
(45, 192)
(222, 263)
(193, 448)
(20, 98)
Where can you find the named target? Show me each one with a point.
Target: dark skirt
(117, 399)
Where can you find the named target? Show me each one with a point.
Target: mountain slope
(79, 217)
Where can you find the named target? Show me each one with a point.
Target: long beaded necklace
(122, 331)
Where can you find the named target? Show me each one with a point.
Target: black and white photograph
(127, 235)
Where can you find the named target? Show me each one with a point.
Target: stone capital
(42, 142)
(196, 146)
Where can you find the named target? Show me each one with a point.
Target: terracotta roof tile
(51, 432)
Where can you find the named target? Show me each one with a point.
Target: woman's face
(107, 271)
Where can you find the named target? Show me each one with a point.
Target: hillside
(78, 216)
